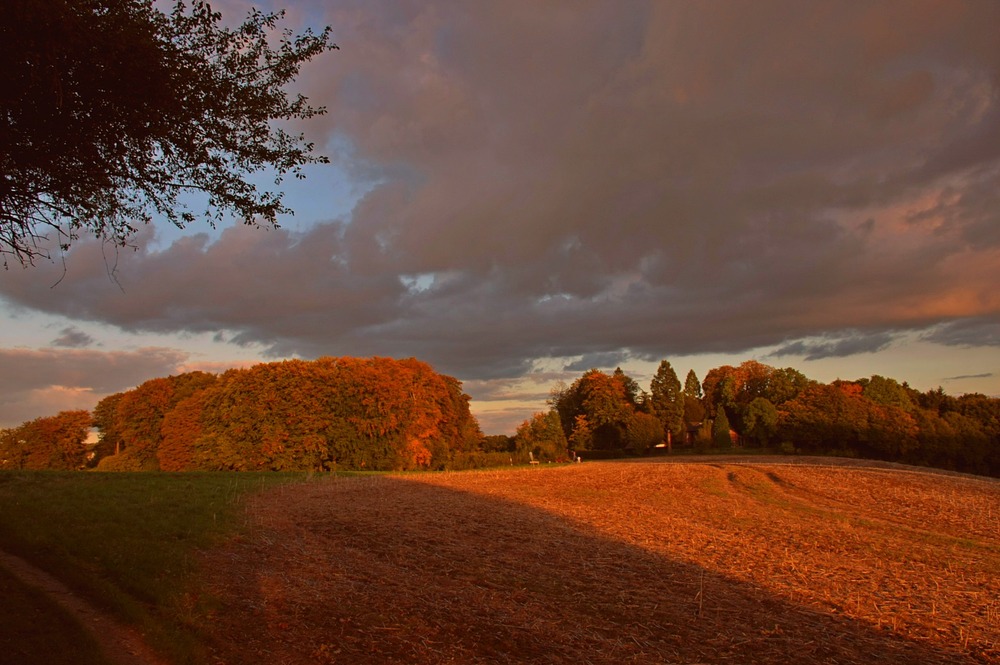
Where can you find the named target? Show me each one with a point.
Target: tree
(643, 432)
(633, 393)
(760, 421)
(497, 443)
(113, 111)
(54, 442)
(130, 422)
(668, 401)
(825, 417)
(542, 436)
(604, 402)
(582, 437)
(785, 384)
(692, 386)
(888, 392)
(720, 429)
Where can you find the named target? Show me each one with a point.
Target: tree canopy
(331, 413)
(758, 406)
(112, 112)
(54, 442)
(668, 400)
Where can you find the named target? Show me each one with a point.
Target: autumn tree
(49, 443)
(633, 392)
(542, 436)
(353, 413)
(784, 384)
(668, 401)
(582, 435)
(112, 112)
(603, 400)
(105, 416)
(838, 417)
(130, 422)
(736, 387)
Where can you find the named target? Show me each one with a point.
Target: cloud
(836, 345)
(985, 375)
(974, 331)
(41, 382)
(641, 180)
(73, 338)
(599, 360)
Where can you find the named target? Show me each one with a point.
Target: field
(125, 544)
(708, 562)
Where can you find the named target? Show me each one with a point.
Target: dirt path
(121, 645)
(616, 563)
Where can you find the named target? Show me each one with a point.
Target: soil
(720, 561)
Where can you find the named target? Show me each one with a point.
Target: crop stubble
(616, 563)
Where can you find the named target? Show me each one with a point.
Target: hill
(723, 561)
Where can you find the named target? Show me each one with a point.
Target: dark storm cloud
(612, 180)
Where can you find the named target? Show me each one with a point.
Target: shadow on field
(392, 570)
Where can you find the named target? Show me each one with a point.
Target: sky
(521, 191)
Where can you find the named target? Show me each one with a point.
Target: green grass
(127, 541)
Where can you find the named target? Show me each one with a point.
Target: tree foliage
(721, 436)
(668, 401)
(131, 423)
(692, 386)
(112, 112)
(542, 436)
(55, 442)
(839, 417)
(736, 387)
(347, 413)
(606, 406)
(643, 431)
(760, 421)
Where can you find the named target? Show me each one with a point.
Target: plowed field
(724, 562)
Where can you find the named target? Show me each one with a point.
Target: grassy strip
(127, 542)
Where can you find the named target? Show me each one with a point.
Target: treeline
(384, 414)
(56, 442)
(758, 406)
(332, 413)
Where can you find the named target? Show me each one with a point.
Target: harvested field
(708, 562)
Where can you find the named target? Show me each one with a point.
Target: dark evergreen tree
(720, 429)
(668, 401)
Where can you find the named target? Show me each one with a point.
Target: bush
(482, 460)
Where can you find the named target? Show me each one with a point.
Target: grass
(126, 542)
(36, 631)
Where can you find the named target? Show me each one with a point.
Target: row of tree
(378, 413)
(760, 406)
(332, 413)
